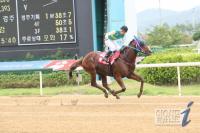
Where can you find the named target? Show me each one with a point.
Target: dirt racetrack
(92, 114)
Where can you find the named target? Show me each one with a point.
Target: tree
(196, 36)
(186, 39)
(185, 28)
(164, 36)
(176, 36)
(167, 36)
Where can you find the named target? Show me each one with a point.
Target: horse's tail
(74, 66)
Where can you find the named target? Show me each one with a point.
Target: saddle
(111, 59)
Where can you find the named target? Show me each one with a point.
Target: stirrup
(106, 59)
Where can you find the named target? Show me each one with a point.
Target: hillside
(151, 17)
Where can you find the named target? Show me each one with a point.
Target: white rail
(41, 84)
(177, 65)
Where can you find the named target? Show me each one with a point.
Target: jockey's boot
(108, 54)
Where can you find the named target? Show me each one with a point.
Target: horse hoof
(139, 95)
(117, 97)
(106, 95)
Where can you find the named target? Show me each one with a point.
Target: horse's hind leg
(94, 83)
(105, 84)
(139, 79)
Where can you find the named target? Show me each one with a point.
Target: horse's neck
(130, 56)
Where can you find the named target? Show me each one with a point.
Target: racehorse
(123, 66)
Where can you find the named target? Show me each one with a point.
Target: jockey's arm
(109, 33)
(123, 41)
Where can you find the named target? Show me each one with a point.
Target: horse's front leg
(139, 79)
(119, 80)
(105, 84)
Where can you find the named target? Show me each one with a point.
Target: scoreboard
(37, 22)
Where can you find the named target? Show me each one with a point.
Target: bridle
(125, 59)
(138, 46)
(137, 49)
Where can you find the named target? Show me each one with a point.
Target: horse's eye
(142, 44)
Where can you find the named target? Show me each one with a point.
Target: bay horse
(123, 67)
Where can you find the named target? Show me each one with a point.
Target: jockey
(114, 41)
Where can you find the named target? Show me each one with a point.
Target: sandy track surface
(92, 114)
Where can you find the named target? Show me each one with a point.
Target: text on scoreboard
(32, 22)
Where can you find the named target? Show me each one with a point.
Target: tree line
(168, 36)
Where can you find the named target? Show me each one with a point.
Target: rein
(136, 49)
(126, 56)
(125, 59)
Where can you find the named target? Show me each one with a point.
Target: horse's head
(140, 46)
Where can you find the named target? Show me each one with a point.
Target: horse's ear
(132, 42)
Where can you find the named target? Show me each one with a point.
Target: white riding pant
(113, 45)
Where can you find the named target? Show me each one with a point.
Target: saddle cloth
(111, 59)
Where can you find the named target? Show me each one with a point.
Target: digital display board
(34, 22)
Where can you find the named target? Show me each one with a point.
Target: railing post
(179, 80)
(78, 77)
(41, 87)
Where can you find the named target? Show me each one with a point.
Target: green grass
(132, 89)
